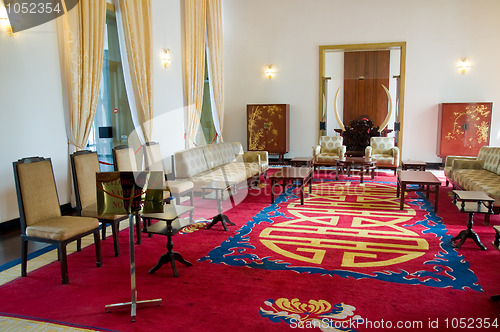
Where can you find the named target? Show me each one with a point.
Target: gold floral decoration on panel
(474, 113)
(255, 140)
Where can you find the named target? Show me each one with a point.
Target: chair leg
(24, 256)
(79, 245)
(63, 260)
(178, 199)
(97, 245)
(191, 197)
(103, 225)
(115, 230)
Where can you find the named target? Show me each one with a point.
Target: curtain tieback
(76, 145)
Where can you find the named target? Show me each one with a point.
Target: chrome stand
(133, 304)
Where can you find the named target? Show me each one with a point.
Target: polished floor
(10, 246)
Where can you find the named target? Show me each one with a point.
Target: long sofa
(220, 162)
(481, 173)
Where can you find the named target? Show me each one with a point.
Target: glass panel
(206, 133)
(113, 121)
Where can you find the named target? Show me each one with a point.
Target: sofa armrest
(368, 152)
(466, 164)
(251, 157)
(449, 159)
(316, 150)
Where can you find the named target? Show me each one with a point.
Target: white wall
(31, 100)
(287, 33)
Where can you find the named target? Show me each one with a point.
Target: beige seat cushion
(62, 228)
(179, 186)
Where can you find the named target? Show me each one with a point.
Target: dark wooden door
(364, 74)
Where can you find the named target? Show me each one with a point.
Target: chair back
(36, 190)
(84, 166)
(152, 157)
(330, 144)
(124, 159)
(381, 145)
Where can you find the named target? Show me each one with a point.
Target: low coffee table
(302, 175)
(365, 165)
(217, 190)
(471, 202)
(416, 165)
(422, 179)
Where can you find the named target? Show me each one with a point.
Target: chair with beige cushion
(40, 213)
(384, 152)
(84, 166)
(153, 162)
(329, 149)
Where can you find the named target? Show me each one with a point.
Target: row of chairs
(40, 215)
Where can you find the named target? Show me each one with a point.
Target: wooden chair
(153, 162)
(84, 166)
(40, 213)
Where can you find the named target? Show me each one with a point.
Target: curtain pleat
(216, 62)
(194, 18)
(81, 49)
(136, 18)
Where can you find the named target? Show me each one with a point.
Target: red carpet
(348, 259)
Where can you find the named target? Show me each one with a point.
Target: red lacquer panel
(463, 128)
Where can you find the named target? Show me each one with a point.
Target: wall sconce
(269, 71)
(4, 21)
(463, 65)
(166, 57)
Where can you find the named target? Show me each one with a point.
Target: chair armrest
(466, 164)
(395, 154)
(342, 151)
(316, 150)
(368, 152)
(449, 159)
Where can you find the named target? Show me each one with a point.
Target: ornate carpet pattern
(350, 230)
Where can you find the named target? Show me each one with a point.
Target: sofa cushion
(219, 154)
(480, 180)
(492, 159)
(190, 162)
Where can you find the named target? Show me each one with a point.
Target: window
(206, 133)
(112, 121)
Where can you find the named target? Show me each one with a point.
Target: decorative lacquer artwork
(475, 115)
(463, 128)
(261, 126)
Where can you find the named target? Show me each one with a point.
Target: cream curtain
(216, 62)
(136, 18)
(194, 18)
(81, 48)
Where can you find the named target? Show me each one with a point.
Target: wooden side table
(471, 202)
(218, 190)
(302, 162)
(302, 175)
(414, 165)
(423, 179)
